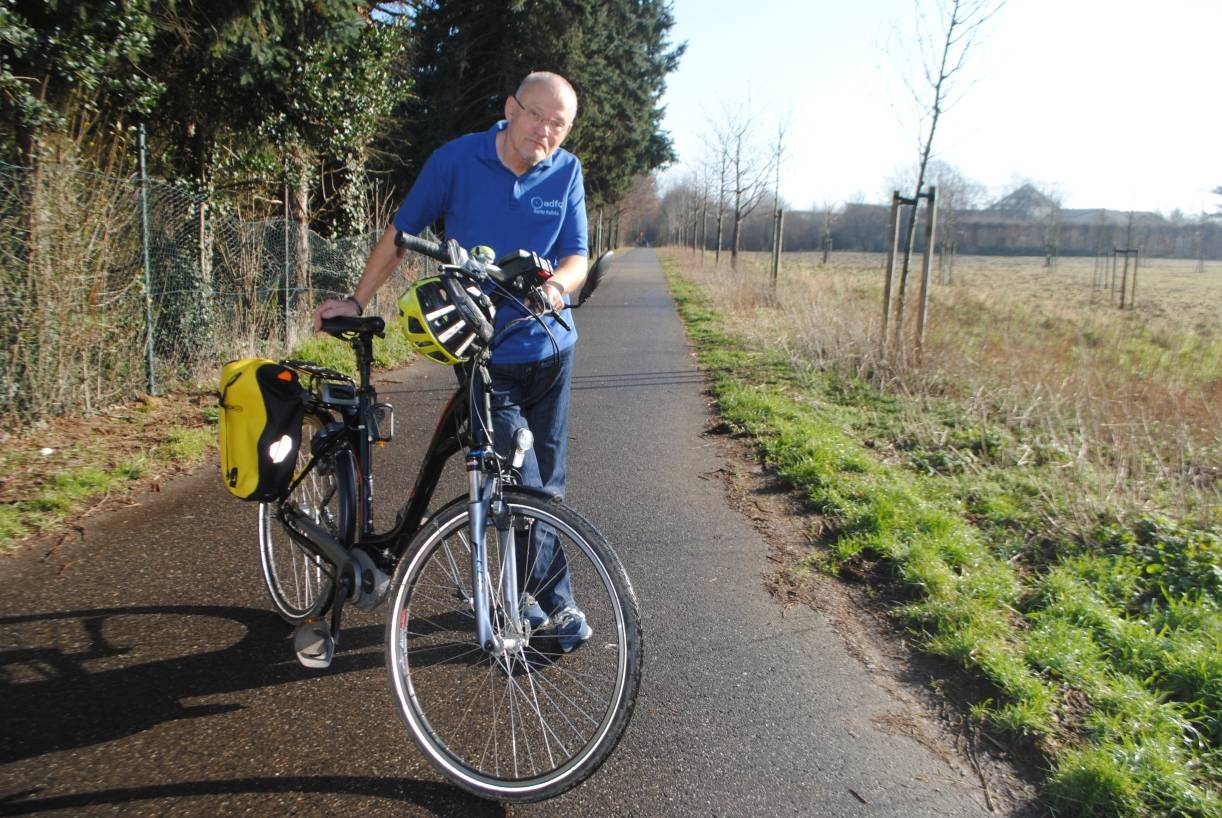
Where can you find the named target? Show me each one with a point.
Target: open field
(1037, 499)
(1168, 290)
(1129, 401)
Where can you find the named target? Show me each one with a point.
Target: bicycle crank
(371, 583)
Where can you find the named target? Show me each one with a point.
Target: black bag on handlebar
(262, 405)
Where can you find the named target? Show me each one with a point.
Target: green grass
(1102, 650)
(186, 446)
(388, 352)
(66, 493)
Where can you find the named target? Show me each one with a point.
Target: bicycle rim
(299, 582)
(536, 721)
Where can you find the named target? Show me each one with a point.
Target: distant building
(1025, 221)
(1029, 222)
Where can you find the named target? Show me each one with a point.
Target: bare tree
(1052, 232)
(957, 193)
(641, 209)
(706, 195)
(691, 225)
(747, 169)
(778, 157)
(943, 45)
(827, 216)
(723, 167)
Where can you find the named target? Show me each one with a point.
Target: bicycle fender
(538, 494)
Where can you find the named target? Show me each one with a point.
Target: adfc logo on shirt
(546, 208)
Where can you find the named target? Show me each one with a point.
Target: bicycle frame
(386, 549)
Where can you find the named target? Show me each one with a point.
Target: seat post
(362, 344)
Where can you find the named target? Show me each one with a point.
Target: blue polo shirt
(481, 201)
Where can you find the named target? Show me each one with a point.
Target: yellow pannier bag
(262, 405)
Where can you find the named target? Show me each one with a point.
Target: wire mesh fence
(84, 319)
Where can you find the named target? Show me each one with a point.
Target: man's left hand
(554, 294)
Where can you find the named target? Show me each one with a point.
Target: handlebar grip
(423, 246)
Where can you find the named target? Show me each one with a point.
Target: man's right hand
(331, 308)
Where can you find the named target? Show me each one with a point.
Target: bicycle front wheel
(536, 720)
(298, 582)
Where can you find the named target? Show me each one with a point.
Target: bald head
(553, 85)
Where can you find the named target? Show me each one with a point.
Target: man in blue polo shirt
(512, 187)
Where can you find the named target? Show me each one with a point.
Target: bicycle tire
(298, 582)
(551, 718)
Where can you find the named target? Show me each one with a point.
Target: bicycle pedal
(314, 644)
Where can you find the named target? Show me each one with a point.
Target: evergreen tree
(470, 56)
(623, 73)
(276, 82)
(71, 68)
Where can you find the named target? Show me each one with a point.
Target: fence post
(148, 265)
(778, 228)
(284, 290)
(931, 218)
(1133, 292)
(893, 238)
(1124, 279)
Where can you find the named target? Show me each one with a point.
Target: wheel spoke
(296, 578)
(524, 716)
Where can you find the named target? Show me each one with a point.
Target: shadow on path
(50, 699)
(438, 799)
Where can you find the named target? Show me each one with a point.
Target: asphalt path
(142, 671)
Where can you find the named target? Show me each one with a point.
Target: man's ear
(508, 107)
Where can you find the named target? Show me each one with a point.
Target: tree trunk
(721, 208)
(735, 234)
(299, 214)
(704, 227)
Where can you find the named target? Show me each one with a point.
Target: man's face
(539, 117)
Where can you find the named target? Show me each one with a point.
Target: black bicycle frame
(450, 436)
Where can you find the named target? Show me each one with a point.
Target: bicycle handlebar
(530, 267)
(423, 246)
(522, 268)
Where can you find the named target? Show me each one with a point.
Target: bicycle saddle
(341, 325)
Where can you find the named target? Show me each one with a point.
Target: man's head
(540, 115)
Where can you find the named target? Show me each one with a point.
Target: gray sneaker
(534, 615)
(571, 629)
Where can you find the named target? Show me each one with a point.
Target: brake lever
(474, 268)
(537, 296)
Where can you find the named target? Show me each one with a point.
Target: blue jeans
(536, 395)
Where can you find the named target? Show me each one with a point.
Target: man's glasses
(553, 124)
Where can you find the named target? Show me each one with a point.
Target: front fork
(486, 503)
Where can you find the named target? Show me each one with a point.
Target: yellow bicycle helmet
(444, 321)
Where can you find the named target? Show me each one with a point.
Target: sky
(1106, 103)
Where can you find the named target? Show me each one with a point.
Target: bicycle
(492, 696)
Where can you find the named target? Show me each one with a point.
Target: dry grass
(1128, 403)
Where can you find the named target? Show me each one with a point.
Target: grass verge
(1103, 651)
(64, 467)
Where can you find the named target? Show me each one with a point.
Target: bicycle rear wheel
(298, 582)
(535, 721)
